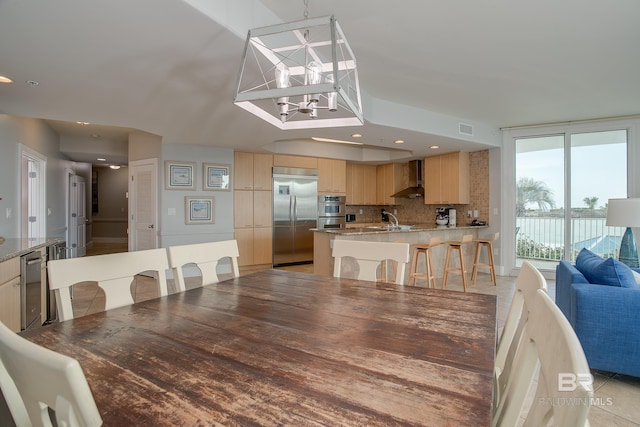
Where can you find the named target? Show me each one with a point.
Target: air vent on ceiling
(465, 129)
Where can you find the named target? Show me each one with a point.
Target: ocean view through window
(578, 170)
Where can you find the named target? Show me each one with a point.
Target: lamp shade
(623, 212)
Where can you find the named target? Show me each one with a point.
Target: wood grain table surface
(280, 348)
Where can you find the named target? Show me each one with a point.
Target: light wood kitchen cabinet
(447, 179)
(242, 171)
(263, 245)
(244, 237)
(254, 245)
(370, 184)
(361, 184)
(252, 171)
(262, 172)
(432, 180)
(253, 214)
(243, 209)
(262, 209)
(10, 293)
(284, 160)
(253, 210)
(355, 182)
(332, 176)
(389, 180)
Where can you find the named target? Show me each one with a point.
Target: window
(562, 178)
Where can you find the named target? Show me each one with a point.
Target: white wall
(36, 135)
(173, 230)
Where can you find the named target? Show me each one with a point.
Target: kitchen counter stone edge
(14, 247)
(414, 229)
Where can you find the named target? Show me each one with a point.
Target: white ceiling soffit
(308, 147)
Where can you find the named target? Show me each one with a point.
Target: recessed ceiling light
(116, 167)
(100, 159)
(4, 79)
(356, 135)
(433, 147)
(83, 123)
(336, 141)
(95, 136)
(399, 141)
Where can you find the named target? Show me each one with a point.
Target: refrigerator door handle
(294, 209)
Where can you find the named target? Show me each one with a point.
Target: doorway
(143, 205)
(32, 189)
(77, 219)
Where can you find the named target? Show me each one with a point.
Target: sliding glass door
(562, 184)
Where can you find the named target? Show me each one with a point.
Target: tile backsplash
(414, 211)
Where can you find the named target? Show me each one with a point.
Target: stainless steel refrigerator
(295, 212)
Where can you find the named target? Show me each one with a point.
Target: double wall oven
(331, 212)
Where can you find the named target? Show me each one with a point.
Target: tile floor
(619, 394)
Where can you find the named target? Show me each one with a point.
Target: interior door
(77, 216)
(143, 208)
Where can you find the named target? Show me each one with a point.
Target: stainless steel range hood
(415, 181)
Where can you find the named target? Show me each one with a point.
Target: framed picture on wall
(179, 175)
(216, 177)
(199, 210)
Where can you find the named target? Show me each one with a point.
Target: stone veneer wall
(414, 211)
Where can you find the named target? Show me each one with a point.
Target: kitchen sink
(390, 227)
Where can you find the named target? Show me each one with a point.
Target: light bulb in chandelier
(332, 97)
(282, 81)
(314, 77)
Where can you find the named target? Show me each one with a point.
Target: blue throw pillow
(610, 272)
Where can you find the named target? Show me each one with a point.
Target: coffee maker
(442, 216)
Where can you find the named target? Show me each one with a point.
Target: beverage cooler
(56, 251)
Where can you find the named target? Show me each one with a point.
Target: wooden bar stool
(456, 245)
(486, 242)
(423, 248)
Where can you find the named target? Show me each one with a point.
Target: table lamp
(625, 213)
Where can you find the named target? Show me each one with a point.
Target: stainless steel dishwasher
(31, 290)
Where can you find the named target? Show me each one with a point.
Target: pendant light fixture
(300, 75)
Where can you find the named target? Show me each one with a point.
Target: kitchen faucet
(393, 216)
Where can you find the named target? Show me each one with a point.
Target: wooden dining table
(281, 348)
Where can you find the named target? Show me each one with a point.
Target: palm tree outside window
(561, 181)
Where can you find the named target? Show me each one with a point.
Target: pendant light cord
(306, 9)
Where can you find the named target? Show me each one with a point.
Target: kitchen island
(420, 233)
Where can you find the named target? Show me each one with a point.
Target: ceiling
(168, 67)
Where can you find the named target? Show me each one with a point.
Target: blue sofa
(605, 317)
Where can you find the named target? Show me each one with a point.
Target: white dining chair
(114, 274)
(206, 257)
(529, 281)
(564, 387)
(368, 257)
(34, 379)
